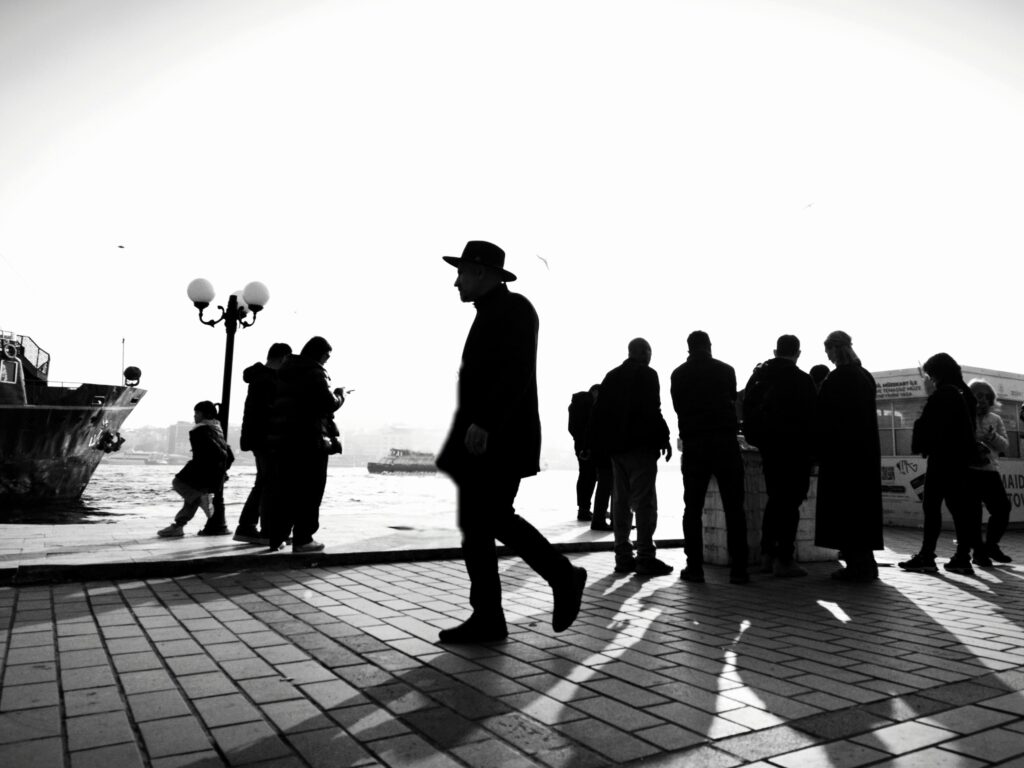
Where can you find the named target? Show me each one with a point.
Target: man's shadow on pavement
(840, 661)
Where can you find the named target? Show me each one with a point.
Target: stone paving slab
(339, 666)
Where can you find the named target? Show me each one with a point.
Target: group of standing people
(289, 426)
(796, 422)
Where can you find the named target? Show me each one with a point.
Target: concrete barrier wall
(755, 496)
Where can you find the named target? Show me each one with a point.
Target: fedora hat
(485, 254)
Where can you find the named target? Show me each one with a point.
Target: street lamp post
(250, 300)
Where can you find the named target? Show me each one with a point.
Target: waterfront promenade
(256, 659)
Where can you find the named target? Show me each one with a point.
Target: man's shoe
(250, 536)
(692, 575)
(959, 564)
(625, 566)
(920, 564)
(600, 525)
(787, 570)
(310, 546)
(568, 594)
(474, 631)
(652, 566)
(222, 530)
(583, 516)
(982, 560)
(172, 531)
(998, 555)
(739, 576)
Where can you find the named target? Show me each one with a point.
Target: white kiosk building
(900, 400)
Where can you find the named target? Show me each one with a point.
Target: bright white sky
(749, 168)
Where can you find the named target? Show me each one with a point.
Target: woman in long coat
(849, 511)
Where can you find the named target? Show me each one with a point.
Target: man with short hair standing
(262, 380)
(630, 428)
(783, 412)
(494, 443)
(704, 398)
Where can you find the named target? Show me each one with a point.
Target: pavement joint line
(33, 574)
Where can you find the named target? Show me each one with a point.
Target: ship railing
(35, 358)
(35, 355)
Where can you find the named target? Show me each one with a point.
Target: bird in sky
(546, 265)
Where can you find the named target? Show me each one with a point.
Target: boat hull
(50, 447)
(384, 468)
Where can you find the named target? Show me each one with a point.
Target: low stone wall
(715, 550)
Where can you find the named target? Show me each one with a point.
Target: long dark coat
(849, 511)
(497, 390)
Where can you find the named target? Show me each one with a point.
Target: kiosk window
(1009, 411)
(896, 425)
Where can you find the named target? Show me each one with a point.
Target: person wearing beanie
(203, 474)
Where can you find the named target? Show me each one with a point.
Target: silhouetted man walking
(494, 443)
(704, 398)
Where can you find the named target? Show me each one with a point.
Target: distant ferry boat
(402, 460)
(52, 436)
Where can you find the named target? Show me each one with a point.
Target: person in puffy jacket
(204, 473)
(262, 381)
(299, 445)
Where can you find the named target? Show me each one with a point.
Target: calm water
(118, 491)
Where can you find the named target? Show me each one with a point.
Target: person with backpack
(778, 412)
(204, 473)
(595, 469)
(944, 434)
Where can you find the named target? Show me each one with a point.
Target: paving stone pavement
(339, 666)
